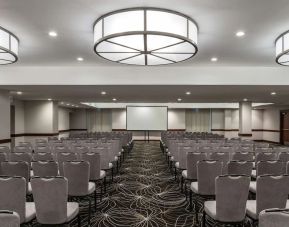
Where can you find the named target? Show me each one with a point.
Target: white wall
(119, 119)
(4, 115)
(63, 118)
(257, 123)
(271, 121)
(78, 119)
(177, 119)
(19, 116)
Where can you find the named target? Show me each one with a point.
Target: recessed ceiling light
(179, 99)
(62, 103)
(245, 100)
(79, 59)
(188, 93)
(103, 93)
(67, 104)
(19, 93)
(49, 99)
(53, 34)
(273, 93)
(214, 59)
(114, 99)
(240, 33)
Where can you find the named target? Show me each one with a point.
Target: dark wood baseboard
(245, 134)
(5, 141)
(224, 130)
(267, 141)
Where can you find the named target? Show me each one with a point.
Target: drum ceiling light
(145, 36)
(282, 49)
(8, 47)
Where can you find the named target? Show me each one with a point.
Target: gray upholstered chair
(42, 149)
(20, 157)
(65, 157)
(77, 174)
(271, 192)
(9, 219)
(96, 174)
(222, 157)
(274, 218)
(42, 156)
(267, 167)
(3, 158)
(283, 157)
(50, 196)
(240, 168)
(21, 169)
(45, 168)
(243, 156)
(230, 204)
(204, 188)
(22, 149)
(5, 149)
(190, 174)
(265, 156)
(13, 197)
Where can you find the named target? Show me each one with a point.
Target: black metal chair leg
(89, 212)
(182, 184)
(175, 173)
(191, 195)
(112, 175)
(95, 200)
(204, 219)
(78, 220)
(104, 182)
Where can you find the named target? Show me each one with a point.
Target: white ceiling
(218, 20)
(153, 93)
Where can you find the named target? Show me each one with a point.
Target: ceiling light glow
(188, 93)
(79, 59)
(214, 59)
(240, 33)
(145, 36)
(103, 93)
(53, 34)
(273, 93)
(19, 92)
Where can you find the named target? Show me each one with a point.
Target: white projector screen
(147, 118)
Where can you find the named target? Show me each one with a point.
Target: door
(284, 128)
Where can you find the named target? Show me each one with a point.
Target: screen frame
(148, 130)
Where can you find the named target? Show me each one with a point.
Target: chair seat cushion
(251, 209)
(30, 211)
(72, 211)
(177, 165)
(115, 158)
(253, 186)
(185, 174)
(195, 187)
(102, 174)
(254, 173)
(91, 187)
(29, 189)
(273, 219)
(110, 165)
(210, 209)
(169, 153)
(9, 219)
(287, 204)
(119, 153)
(31, 173)
(172, 158)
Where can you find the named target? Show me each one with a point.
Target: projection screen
(147, 118)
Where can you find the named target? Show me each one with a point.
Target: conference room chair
(20, 157)
(22, 149)
(263, 150)
(42, 157)
(271, 192)
(265, 156)
(20, 168)
(283, 157)
(229, 208)
(53, 202)
(244, 149)
(65, 157)
(42, 149)
(240, 168)
(190, 174)
(79, 186)
(204, 187)
(80, 149)
(26, 144)
(274, 218)
(265, 168)
(3, 158)
(182, 162)
(96, 174)
(13, 197)
(243, 156)
(61, 149)
(9, 219)
(5, 149)
(45, 168)
(223, 157)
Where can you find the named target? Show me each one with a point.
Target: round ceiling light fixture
(145, 36)
(8, 47)
(282, 49)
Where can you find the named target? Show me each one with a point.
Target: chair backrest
(45, 168)
(42, 157)
(9, 219)
(13, 195)
(192, 160)
(283, 156)
(80, 149)
(231, 197)
(42, 149)
(5, 149)
(61, 149)
(22, 149)
(65, 157)
(243, 156)
(13, 169)
(265, 156)
(50, 197)
(183, 151)
(270, 167)
(77, 174)
(207, 171)
(94, 162)
(274, 218)
(240, 168)
(20, 157)
(3, 157)
(271, 192)
(220, 156)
